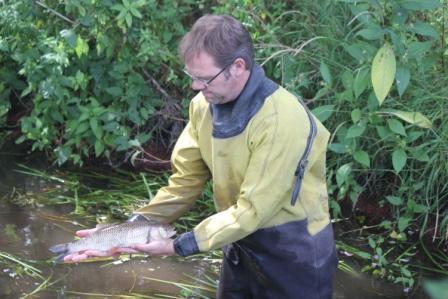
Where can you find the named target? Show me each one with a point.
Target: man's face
(222, 88)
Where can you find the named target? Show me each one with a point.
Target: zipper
(303, 163)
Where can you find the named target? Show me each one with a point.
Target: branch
(158, 87)
(55, 12)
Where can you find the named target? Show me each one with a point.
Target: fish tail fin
(59, 249)
(59, 259)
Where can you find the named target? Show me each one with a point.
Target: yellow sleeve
(185, 185)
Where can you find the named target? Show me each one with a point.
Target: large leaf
(362, 157)
(418, 49)
(343, 173)
(396, 127)
(402, 78)
(437, 289)
(383, 71)
(356, 130)
(415, 118)
(399, 158)
(325, 72)
(323, 112)
(361, 82)
(424, 29)
(419, 4)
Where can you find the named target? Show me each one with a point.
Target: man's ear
(239, 66)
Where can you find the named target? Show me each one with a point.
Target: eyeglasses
(206, 82)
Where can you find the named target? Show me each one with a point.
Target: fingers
(75, 257)
(85, 232)
(126, 250)
(159, 247)
(79, 256)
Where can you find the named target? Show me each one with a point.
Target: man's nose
(197, 85)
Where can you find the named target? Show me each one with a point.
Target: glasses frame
(204, 82)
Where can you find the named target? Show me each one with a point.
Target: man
(266, 155)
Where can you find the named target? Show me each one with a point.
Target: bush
(86, 73)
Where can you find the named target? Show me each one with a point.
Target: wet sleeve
(185, 185)
(275, 147)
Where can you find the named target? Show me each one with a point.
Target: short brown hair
(222, 37)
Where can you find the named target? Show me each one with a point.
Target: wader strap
(301, 167)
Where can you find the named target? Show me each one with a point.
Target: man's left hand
(157, 247)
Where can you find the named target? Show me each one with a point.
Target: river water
(26, 232)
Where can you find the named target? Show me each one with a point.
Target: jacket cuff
(185, 244)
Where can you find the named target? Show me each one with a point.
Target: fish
(110, 236)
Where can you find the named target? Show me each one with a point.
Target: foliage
(373, 71)
(81, 68)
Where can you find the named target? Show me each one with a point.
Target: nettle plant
(389, 44)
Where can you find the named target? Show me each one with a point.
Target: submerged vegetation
(90, 81)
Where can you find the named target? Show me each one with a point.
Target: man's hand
(157, 247)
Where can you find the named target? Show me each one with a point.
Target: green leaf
(84, 126)
(70, 37)
(399, 158)
(81, 47)
(396, 127)
(323, 112)
(371, 33)
(96, 129)
(372, 243)
(119, 7)
(99, 147)
(347, 80)
(403, 223)
(356, 115)
(436, 289)
(402, 78)
(128, 20)
(138, 3)
(338, 148)
(62, 154)
(383, 71)
(343, 173)
(419, 4)
(417, 50)
(361, 82)
(415, 118)
(383, 132)
(394, 200)
(115, 91)
(356, 130)
(4, 46)
(325, 72)
(424, 29)
(135, 13)
(421, 155)
(362, 157)
(357, 52)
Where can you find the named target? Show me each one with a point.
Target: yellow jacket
(253, 173)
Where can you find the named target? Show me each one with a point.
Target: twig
(56, 13)
(158, 87)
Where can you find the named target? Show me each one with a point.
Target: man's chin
(210, 98)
